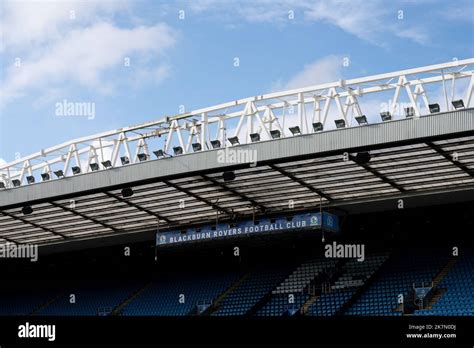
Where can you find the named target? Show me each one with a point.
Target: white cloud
(415, 34)
(27, 23)
(56, 53)
(357, 17)
(324, 70)
(370, 20)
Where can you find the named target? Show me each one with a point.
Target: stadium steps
(308, 303)
(215, 305)
(437, 295)
(117, 310)
(446, 269)
(368, 283)
(438, 279)
(46, 304)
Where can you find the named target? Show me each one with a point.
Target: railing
(265, 117)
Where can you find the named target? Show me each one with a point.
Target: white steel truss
(241, 118)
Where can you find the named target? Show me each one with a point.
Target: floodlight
(27, 210)
(107, 164)
(45, 176)
(386, 116)
(178, 150)
(30, 179)
(458, 104)
(434, 108)
(2, 185)
(318, 126)
(295, 130)
(254, 137)
(76, 170)
(409, 111)
(59, 174)
(142, 157)
(233, 140)
(197, 147)
(275, 134)
(94, 166)
(127, 192)
(340, 123)
(361, 119)
(228, 176)
(125, 160)
(16, 182)
(362, 158)
(159, 153)
(215, 144)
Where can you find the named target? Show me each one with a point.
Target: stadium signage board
(298, 222)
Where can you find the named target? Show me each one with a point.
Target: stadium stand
(458, 290)
(398, 278)
(354, 274)
(252, 290)
(91, 299)
(22, 301)
(328, 304)
(162, 297)
(283, 304)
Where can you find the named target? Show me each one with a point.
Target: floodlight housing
(233, 140)
(178, 150)
(228, 176)
(341, 123)
(125, 160)
(107, 164)
(127, 192)
(385, 116)
(159, 153)
(295, 130)
(254, 137)
(197, 147)
(275, 134)
(361, 119)
(458, 104)
(215, 144)
(409, 111)
(434, 108)
(318, 126)
(142, 157)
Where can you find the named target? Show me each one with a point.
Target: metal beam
(458, 164)
(75, 212)
(301, 182)
(10, 240)
(199, 198)
(46, 229)
(235, 192)
(381, 176)
(273, 105)
(134, 205)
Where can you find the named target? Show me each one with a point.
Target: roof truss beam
(458, 164)
(75, 212)
(199, 198)
(301, 182)
(381, 177)
(46, 229)
(253, 202)
(131, 204)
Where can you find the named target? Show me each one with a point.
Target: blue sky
(76, 51)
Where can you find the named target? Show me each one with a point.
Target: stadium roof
(414, 165)
(425, 157)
